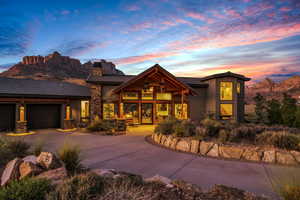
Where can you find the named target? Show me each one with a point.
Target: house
(147, 98)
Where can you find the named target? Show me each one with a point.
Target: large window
(147, 94)
(162, 111)
(226, 111)
(226, 90)
(85, 109)
(108, 111)
(163, 96)
(181, 111)
(130, 95)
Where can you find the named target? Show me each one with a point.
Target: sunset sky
(187, 37)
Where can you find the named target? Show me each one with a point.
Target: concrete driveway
(133, 154)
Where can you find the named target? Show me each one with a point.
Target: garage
(42, 116)
(7, 117)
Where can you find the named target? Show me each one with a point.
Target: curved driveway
(133, 154)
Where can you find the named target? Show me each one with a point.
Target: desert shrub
(167, 126)
(290, 192)
(260, 108)
(18, 148)
(71, 157)
(223, 136)
(80, 187)
(101, 125)
(274, 112)
(184, 129)
(246, 133)
(38, 147)
(28, 188)
(201, 133)
(283, 140)
(212, 127)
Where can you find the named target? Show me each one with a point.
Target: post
(21, 123)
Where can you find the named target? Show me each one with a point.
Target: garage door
(7, 117)
(41, 116)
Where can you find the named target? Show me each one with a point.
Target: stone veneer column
(96, 102)
(21, 125)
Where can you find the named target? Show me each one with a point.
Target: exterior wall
(197, 104)
(76, 111)
(96, 102)
(211, 98)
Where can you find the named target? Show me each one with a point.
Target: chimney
(97, 69)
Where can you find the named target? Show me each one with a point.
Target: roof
(226, 74)
(28, 87)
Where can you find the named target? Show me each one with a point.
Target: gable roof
(226, 74)
(152, 69)
(28, 87)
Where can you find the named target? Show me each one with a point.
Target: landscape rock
(163, 139)
(183, 145)
(252, 155)
(161, 179)
(56, 176)
(30, 158)
(214, 151)
(105, 172)
(48, 160)
(231, 152)
(285, 158)
(269, 156)
(168, 141)
(296, 155)
(174, 143)
(29, 169)
(205, 147)
(11, 171)
(195, 146)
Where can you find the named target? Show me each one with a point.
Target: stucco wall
(198, 104)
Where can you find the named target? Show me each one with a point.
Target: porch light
(22, 113)
(68, 112)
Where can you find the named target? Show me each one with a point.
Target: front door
(147, 113)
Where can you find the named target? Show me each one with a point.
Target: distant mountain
(6, 66)
(271, 89)
(55, 67)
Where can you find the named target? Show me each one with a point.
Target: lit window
(226, 111)
(162, 109)
(163, 96)
(130, 111)
(226, 90)
(85, 109)
(68, 112)
(147, 93)
(108, 111)
(238, 88)
(130, 95)
(179, 112)
(22, 113)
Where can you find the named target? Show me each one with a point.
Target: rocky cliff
(56, 67)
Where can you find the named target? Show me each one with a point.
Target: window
(147, 94)
(130, 95)
(85, 109)
(108, 111)
(238, 88)
(163, 96)
(226, 90)
(68, 112)
(22, 113)
(130, 111)
(179, 112)
(162, 109)
(226, 111)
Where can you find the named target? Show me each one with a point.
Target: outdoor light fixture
(68, 112)
(22, 113)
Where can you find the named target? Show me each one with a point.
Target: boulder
(231, 152)
(205, 147)
(183, 145)
(214, 151)
(285, 158)
(163, 139)
(269, 156)
(174, 143)
(168, 141)
(161, 179)
(195, 146)
(252, 155)
(48, 160)
(105, 172)
(31, 159)
(296, 155)
(29, 169)
(11, 171)
(56, 176)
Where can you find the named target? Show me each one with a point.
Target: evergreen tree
(297, 116)
(288, 110)
(274, 112)
(260, 108)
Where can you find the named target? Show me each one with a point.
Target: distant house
(147, 98)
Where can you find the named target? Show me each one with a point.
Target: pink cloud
(257, 9)
(232, 13)
(141, 26)
(285, 9)
(200, 17)
(132, 8)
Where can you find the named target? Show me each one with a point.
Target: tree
(288, 110)
(260, 108)
(274, 112)
(297, 118)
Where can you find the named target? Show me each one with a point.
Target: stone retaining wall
(249, 153)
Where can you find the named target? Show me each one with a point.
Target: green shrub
(290, 192)
(167, 127)
(102, 125)
(212, 127)
(184, 129)
(243, 133)
(288, 110)
(297, 118)
(283, 140)
(26, 189)
(80, 187)
(18, 148)
(70, 155)
(224, 136)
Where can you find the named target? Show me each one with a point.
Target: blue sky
(258, 38)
